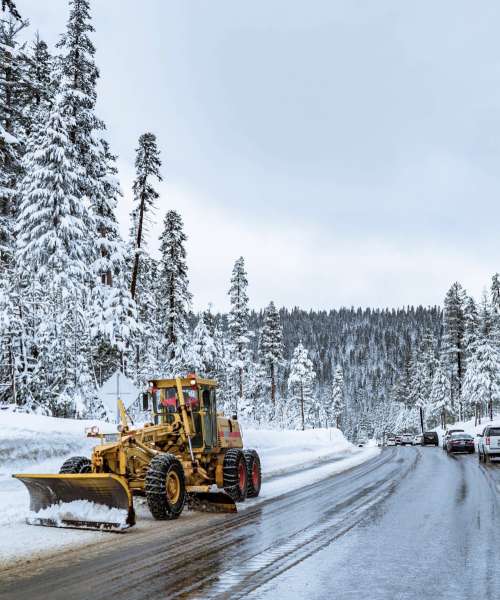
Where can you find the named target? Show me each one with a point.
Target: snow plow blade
(105, 490)
(214, 502)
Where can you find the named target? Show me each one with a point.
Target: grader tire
(254, 473)
(235, 474)
(165, 487)
(76, 465)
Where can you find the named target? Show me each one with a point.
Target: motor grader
(186, 451)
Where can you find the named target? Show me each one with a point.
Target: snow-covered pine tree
(147, 164)
(453, 340)
(39, 91)
(176, 298)
(337, 402)
(51, 256)
(271, 347)
(440, 406)
(10, 6)
(12, 84)
(238, 325)
(78, 80)
(202, 352)
(300, 380)
(471, 327)
(51, 227)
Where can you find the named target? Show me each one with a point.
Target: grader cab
(176, 459)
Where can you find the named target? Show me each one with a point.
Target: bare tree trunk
(273, 387)
(302, 405)
(138, 243)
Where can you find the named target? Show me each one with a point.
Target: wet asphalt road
(412, 523)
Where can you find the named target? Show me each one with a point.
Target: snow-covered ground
(37, 444)
(469, 427)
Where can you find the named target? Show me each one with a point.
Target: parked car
(430, 438)
(398, 440)
(391, 441)
(460, 442)
(447, 434)
(418, 440)
(406, 439)
(362, 442)
(488, 443)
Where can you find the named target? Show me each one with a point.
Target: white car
(418, 440)
(488, 443)
(406, 439)
(391, 441)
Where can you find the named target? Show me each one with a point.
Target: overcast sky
(349, 150)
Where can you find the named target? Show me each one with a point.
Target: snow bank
(469, 427)
(281, 451)
(80, 510)
(28, 438)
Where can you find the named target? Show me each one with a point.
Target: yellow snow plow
(188, 454)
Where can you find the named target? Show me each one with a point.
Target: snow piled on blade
(80, 510)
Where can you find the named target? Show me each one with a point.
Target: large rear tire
(254, 473)
(235, 474)
(165, 487)
(75, 465)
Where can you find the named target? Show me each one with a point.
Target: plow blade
(63, 501)
(215, 502)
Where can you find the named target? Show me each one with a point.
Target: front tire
(254, 473)
(165, 487)
(76, 465)
(235, 474)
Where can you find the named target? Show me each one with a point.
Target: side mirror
(145, 401)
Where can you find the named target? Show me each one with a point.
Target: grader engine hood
(228, 433)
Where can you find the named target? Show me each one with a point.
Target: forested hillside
(78, 302)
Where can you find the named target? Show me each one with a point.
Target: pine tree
(453, 340)
(10, 6)
(238, 324)
(78, 75)
(176, 298)
(301, 379)
(271, 346)
(338, 404)
(51, 226)
(12, 84)
(39, 91)
(147, 164)
(440, 402)
(202, 354)
(471, 327)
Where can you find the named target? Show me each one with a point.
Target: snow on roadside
(469, 427)
(37, 444)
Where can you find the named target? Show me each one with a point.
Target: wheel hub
(173, 487)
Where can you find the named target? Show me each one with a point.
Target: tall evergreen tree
(147, 164)
(337, 403)
(176, 298)
(78, 75)
(271, 346)
(238, 323)
(300, 380)
(12, 114)
(440, 405)
(51, 226)
(453, 339)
